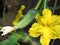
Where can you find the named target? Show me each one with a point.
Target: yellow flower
(19, 15)
(47, 25)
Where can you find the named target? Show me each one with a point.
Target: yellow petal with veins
(47, 25)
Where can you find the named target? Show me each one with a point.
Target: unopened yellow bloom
(19, 15)
(47, 25)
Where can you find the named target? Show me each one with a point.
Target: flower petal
(55, 31)
(46, 36)
(47, 13)
(44, 40)
(34, 30)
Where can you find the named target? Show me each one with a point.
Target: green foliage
(0, 27)
(12, 40)
(29, 17)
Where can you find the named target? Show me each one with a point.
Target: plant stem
(54, 6)
(58, 7)
(45, 1)
(4, 9)
(40, 10)
(53, 42)
(38, 4)
(18, 43)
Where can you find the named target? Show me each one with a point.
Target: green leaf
(12, 40)
(0, 27)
